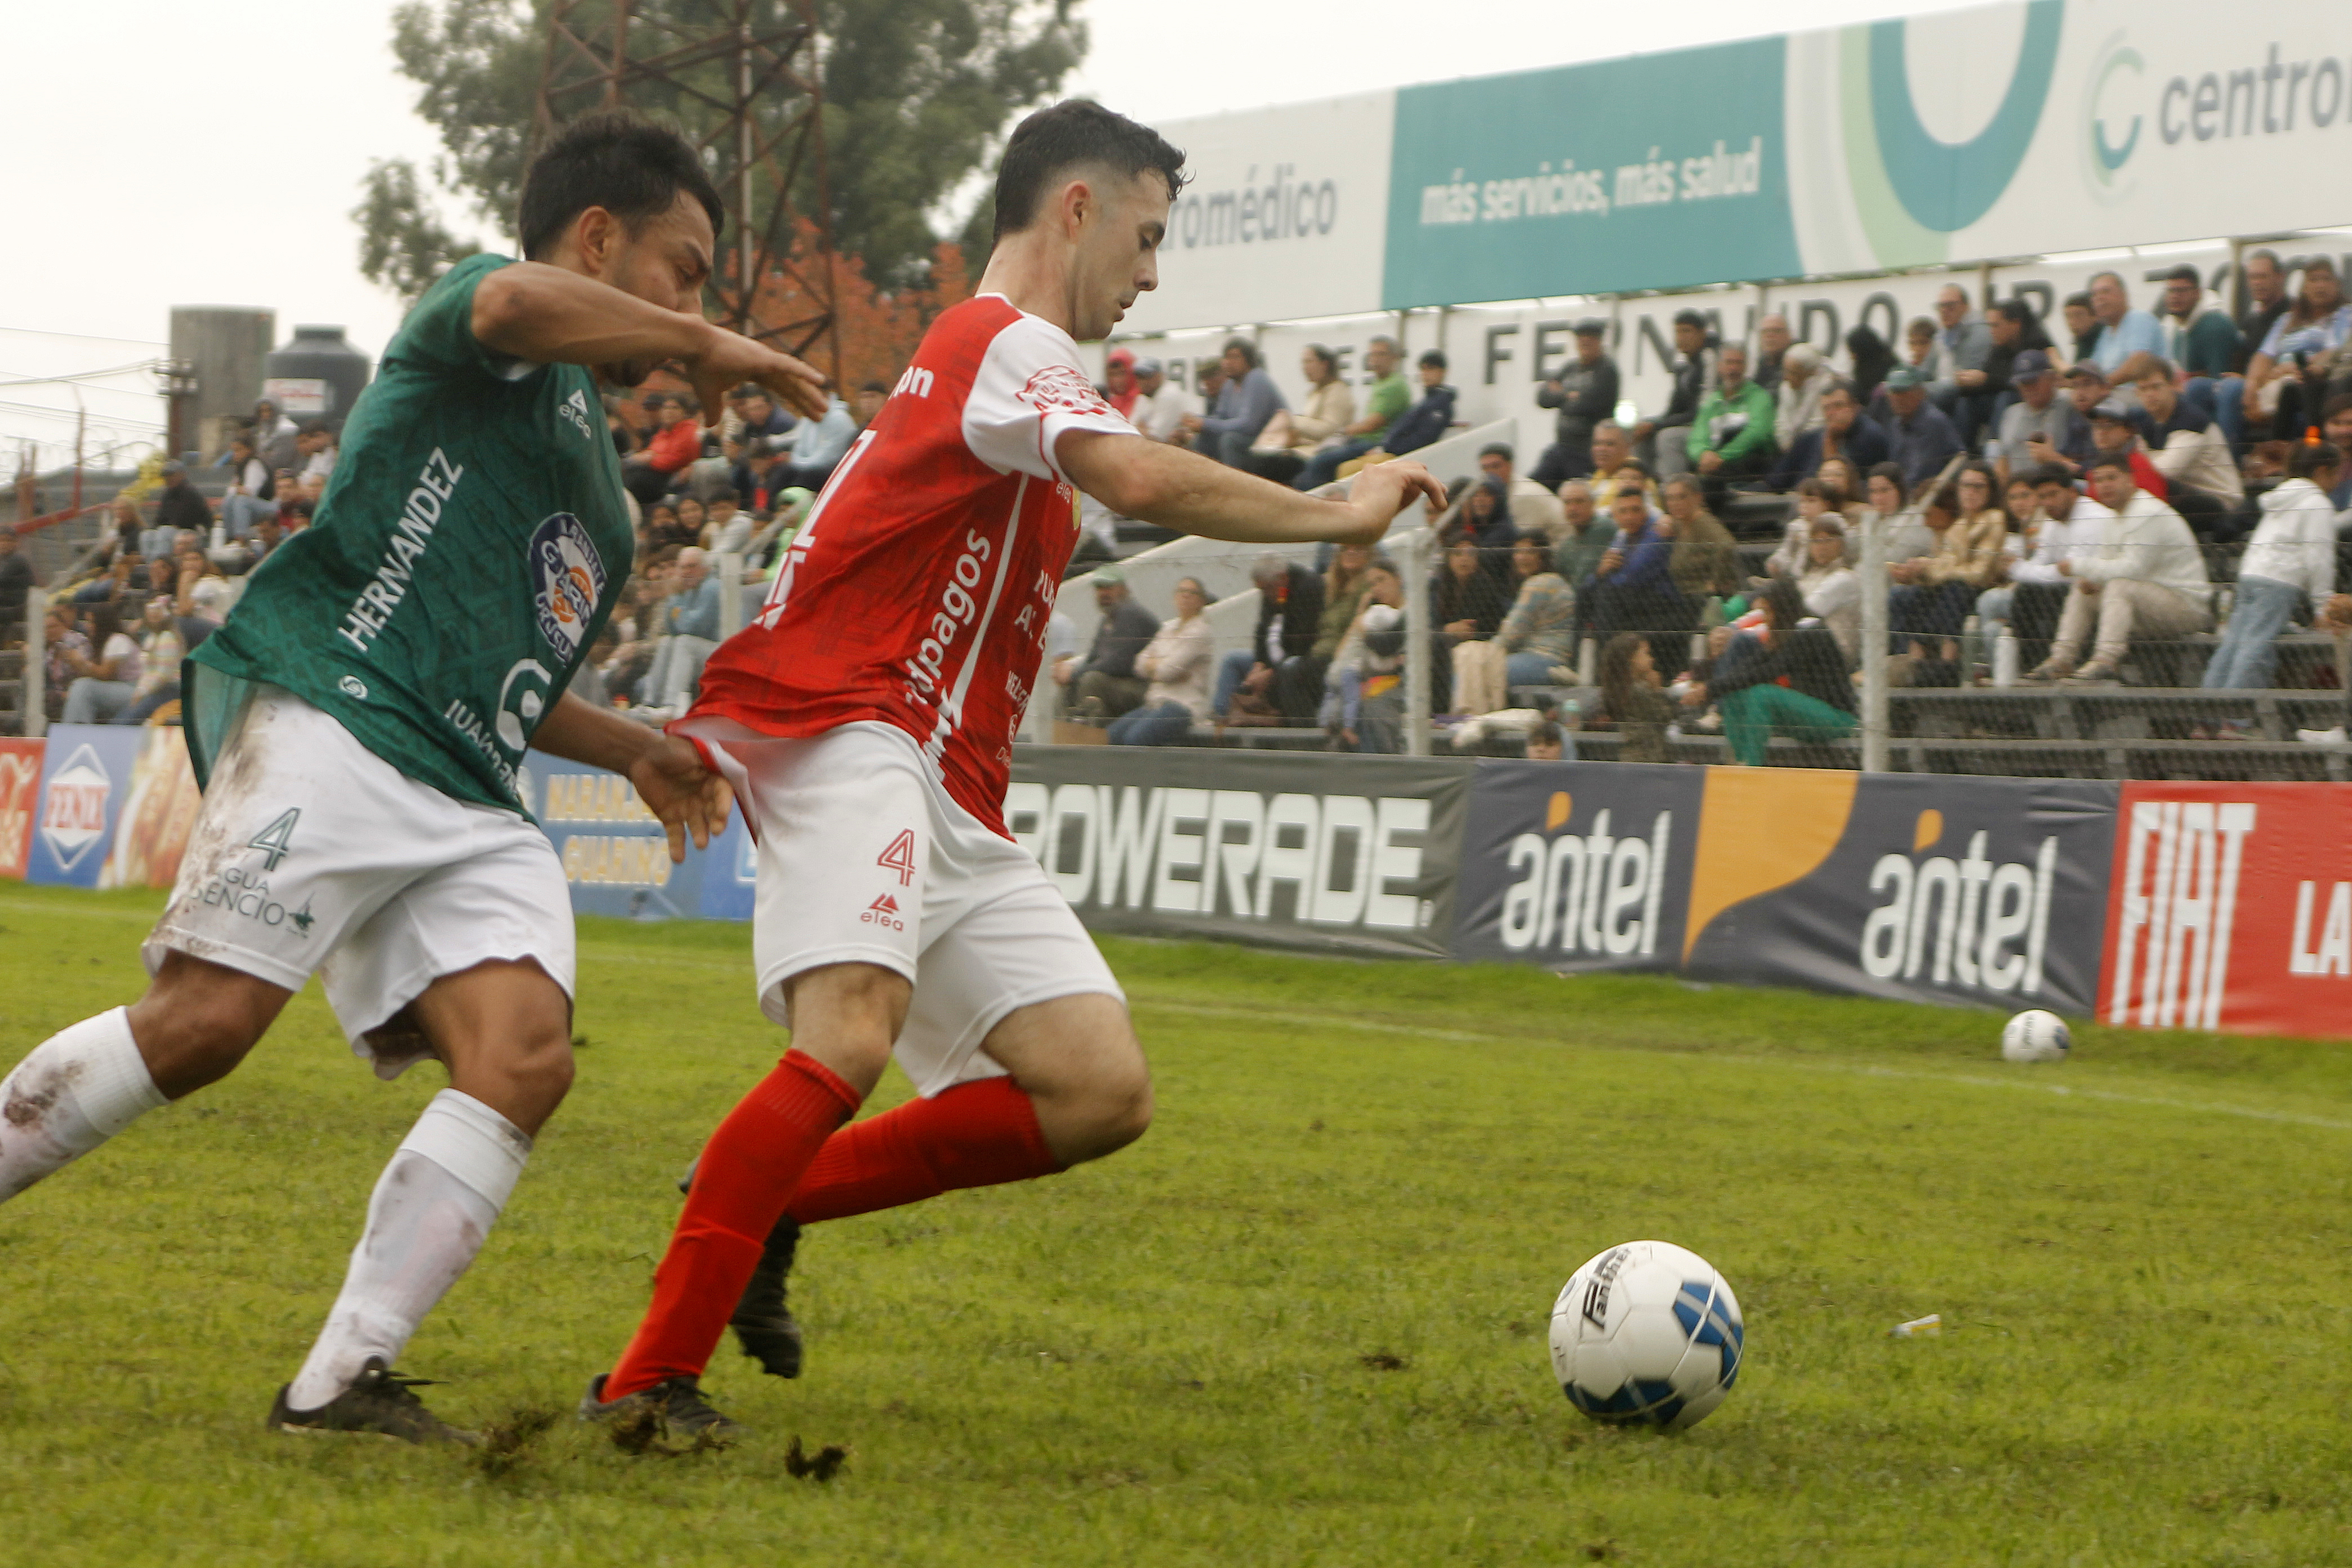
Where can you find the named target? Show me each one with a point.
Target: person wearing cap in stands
(1103, 684)
(1919, 439)
(181, 504)
(2040, 427)
(1159, 410)
(1585, 393)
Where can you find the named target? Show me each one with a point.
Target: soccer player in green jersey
(360, 721)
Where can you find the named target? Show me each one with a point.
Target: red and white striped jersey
(919, 590)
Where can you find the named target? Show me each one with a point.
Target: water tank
(318, 375)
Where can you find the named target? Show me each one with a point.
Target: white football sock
(432, 1207)
(80, 1086)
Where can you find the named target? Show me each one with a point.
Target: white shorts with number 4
(313, 854)
(866, 859)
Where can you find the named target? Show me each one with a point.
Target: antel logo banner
(1579, 866)
(20, 795)
(86, 772)
(2231, 909)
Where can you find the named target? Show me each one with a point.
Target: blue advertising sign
(616, 858)
(86, 775)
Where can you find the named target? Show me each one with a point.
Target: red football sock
(748, 1171)
(974, 1135)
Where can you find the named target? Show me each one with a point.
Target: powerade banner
(616, 858)
(2231, 909)
(20, 799)
(2007, 131)
(1291, 849)
(1921, 888)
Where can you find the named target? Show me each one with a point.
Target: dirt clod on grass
(822, 1465)
(644, 1432)
(506, 1442)
(1384, 1361)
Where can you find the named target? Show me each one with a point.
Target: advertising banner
(1291, 849)
(1578, 865)
(86, 775)
(1920, 888)
(616, 858)
(158, 809)
(20, 799)
(1953, 139)
(2231, 909)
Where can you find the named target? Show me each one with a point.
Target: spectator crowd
(2146, 474)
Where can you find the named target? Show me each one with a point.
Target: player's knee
(1115, 1111)
(197, 1022)
(543, 1067)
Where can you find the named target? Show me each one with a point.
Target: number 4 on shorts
(900, 856)
(278, 838)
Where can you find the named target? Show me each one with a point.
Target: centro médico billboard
(1965, 136)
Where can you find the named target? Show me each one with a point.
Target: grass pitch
(1301, 1322)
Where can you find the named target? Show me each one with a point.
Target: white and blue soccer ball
(1646, 1334)
(2035, 1036)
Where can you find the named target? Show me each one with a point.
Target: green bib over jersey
(470, 545)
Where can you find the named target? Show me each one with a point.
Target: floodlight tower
(743, 76)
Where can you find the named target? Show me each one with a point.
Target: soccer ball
(2035, 1037)
(1646, 1334)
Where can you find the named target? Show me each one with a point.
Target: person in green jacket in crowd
(1732, 437)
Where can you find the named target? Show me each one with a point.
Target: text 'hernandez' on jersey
(917, 592)
(472, 542)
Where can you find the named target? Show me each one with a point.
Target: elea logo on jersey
(73, 807)
(568, 579)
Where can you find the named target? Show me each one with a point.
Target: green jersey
(470, 545)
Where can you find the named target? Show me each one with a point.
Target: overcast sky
(178, 153)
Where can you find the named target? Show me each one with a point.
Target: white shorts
(314, 855)
(866, 859)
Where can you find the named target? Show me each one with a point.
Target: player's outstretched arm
(1176, 488)
(667, 772)
(549, 315)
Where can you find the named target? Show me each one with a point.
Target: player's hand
(732, 359)
(687, 798)
(1378, 493)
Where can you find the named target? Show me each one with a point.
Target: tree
(919, 94)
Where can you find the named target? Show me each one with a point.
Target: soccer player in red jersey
(865, 719)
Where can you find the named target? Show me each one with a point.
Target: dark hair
(1920, 327)
(2264, 255)
(1690, 318)
(1946, 500)
(724, 492)
(315, 428)
(2016, 310)
(1330, 361)
(1074, 131)
(1814, 488)
(1840, 383)
(2052, 474)
(1432, 357)
(2074, 299)
(2106, 459)
(1891, 473)
(1784, 602)
(2185, 273)
(612, 158)
(1617, 674)
(1497, 449)
(105, 621)
(1545, 732)
(874, 386)
(1244, 347)
(2310, 458)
